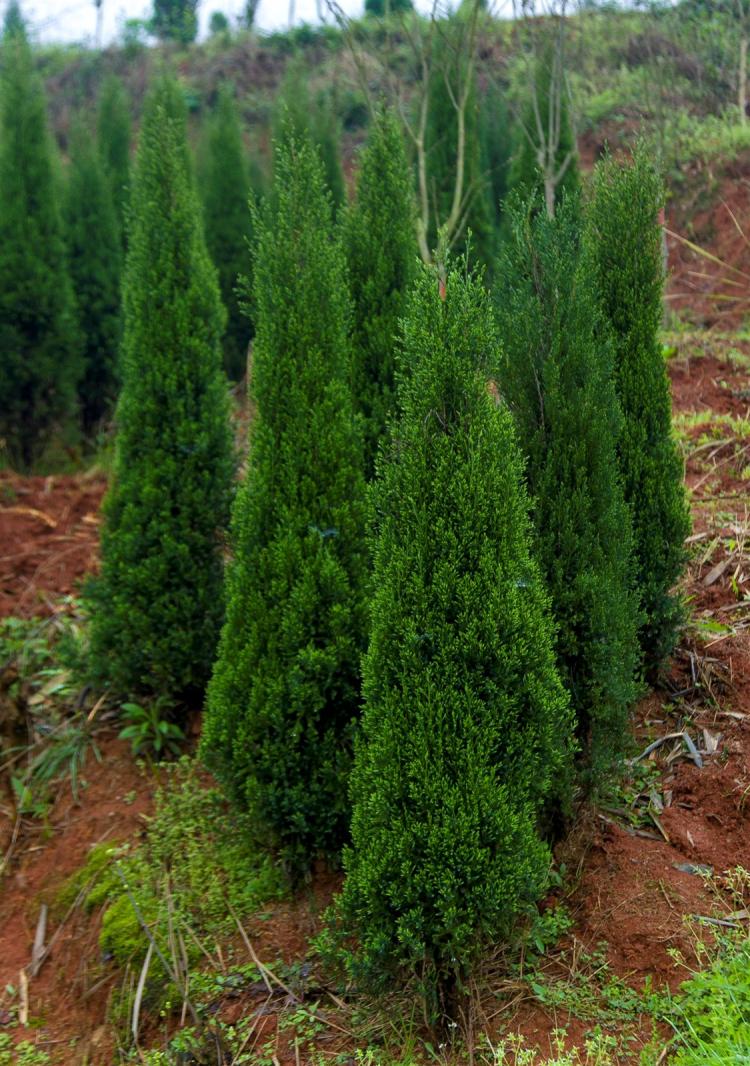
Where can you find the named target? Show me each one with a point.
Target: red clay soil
(704, 291)
(629, 892)
(49, 528)
(68, 998)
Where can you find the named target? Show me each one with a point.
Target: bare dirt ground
(49, 531)
(636, 885)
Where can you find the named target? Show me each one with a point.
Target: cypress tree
(94, 256)
(557, 376)
(625, 239)
(226, 214)
(157, 605)
(285, 688)
(39, 346)
(113, 136)
(381, 252)
(301, 115)
(534, 134)
(466, 724)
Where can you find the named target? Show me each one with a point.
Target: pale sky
(75, 20)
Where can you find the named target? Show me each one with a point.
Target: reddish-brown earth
(626, 894)
(49, 528)
(713, 214)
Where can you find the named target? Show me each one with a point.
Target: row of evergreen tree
(418, 673)
(62, 258)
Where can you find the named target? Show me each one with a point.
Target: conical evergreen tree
(381, 250)
(311, 118)
(113, 135)
(466, 724)
(285, 688)
(557, 375)
(94, 256)
(13, 21)
(545, 127)
(158, 605)
(450, 68)
(625, 239)
(40, 360)
(225, 187)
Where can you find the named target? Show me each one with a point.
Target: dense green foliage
(225, 188)
(93, 241)
(381, 250)
(175, 20)
(557, 375)
(466, 723)
(310, 116)
(113, 135)
(544, 142)
(450, 69)
(157, 605)
(625, 240)
(41, 361)
(285, 688)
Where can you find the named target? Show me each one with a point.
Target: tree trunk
(742, 78)
(549, 194)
